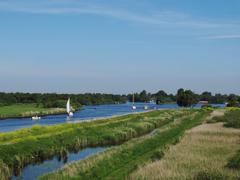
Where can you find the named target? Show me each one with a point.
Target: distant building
(203, 102)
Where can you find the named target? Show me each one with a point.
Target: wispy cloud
(235, 36)
(56, 7)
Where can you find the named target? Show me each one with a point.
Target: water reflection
(32, 172)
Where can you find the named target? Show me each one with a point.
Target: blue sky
(119, 46)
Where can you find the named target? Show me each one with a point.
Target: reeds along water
(76, 138)
(5, 172)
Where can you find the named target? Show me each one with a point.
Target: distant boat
(145, 107)
(69, 109)
(36, 118)
(133, 106)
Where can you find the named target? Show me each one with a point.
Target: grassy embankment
(231, 119)
(205, 152)
(27, 110)
(36, 144)
(119, 162)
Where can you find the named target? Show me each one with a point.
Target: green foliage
(186, 98)
(52, 100)
(231, 118)
(205, 175)
(127, 158)
(234, 162)
(4, 171)
(22, 147)
(233, 101)
(157, 155)
(27, 110)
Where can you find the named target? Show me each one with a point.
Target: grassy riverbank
(27, 110)
(22, 147)
(119, 162)
(203, 153)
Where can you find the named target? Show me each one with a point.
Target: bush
(157, 155)
(231, 118)
(203, 175)
(234, 162)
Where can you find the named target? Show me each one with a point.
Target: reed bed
(17, 149)
(119, 162)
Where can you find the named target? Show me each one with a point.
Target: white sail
(68, 106)
(133, 106)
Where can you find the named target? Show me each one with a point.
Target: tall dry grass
(206, 148)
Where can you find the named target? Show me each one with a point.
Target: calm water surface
(32, 172)
(90, 112)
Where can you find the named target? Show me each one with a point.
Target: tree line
(50, 100)
(185, 97)
(182, 97)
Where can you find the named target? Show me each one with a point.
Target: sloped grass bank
(17, 149)
(201, 154)
(118, 163)
(231, 119)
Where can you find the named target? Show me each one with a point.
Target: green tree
(233, 100)
(186, 98)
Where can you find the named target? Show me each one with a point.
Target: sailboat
(68, 107)
(133, 106)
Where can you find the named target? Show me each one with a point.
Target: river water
(89, 113)
(32, 172)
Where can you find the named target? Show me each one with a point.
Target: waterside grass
(27, 110)
(201, 154)
(17, 149)
(119, 162)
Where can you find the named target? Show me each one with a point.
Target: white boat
(133, 106)
(145, 107)
(36, 118)
(69, 109)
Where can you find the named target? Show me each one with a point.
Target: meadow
(27, 146)
(119, 162)
(209, 151)
(203, 153)
(27, 110)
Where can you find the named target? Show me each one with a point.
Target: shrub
(234, 162)
(204, 175)
(157, 155)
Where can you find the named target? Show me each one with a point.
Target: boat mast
(133, 99)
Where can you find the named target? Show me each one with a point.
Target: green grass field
(26, 110)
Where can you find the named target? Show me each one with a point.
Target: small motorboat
(36, 117)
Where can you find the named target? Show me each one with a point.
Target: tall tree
(186, 98)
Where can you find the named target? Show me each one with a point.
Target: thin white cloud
(56, 7)
(236, 36)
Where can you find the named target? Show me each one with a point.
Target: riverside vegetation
(166, 144)
(209, 151)
(22, 147)
(119, 162)
(27, 110)
(231, 119)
